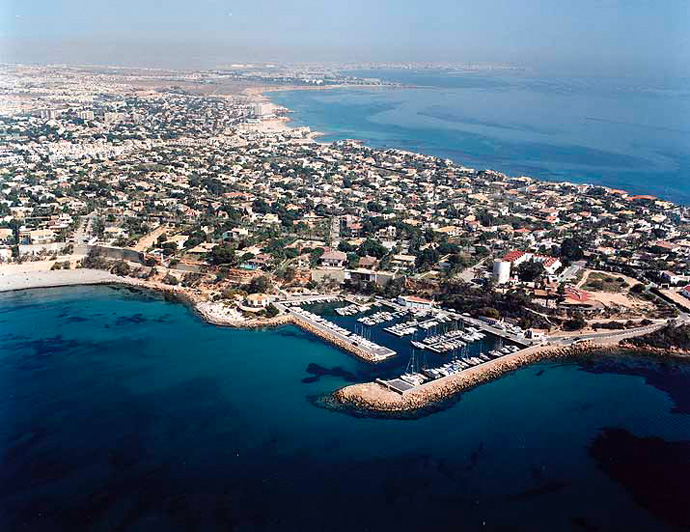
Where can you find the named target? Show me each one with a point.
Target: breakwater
(374, 398)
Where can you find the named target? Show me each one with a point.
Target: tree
(371, 248)
(315, 255)
(120, 268)
(169, 248)
(571, 250)
(289, 274)
(271, 311)
(195, 238)
(258, 285)
(170, 279)
(223, 254)
(561, 292)
(576, 323)
(530, 271)
(638, 288)
(490, 313)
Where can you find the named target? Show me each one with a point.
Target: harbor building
(414, 302)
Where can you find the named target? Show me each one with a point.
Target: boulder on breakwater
(375, 398)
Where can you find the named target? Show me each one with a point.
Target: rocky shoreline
(374, 399)
(211, 312)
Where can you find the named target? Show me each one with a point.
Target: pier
(338, 336)
(501, 333)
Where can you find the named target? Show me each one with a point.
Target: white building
(258, 300)
(334, 259)
(48, 114)
(86, 115)
(111, 117)
(501, 271)
(261, 110)
(415, 302)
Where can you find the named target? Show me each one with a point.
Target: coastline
(208, 311)
(263, 94)
(370, 398)
(29, 280)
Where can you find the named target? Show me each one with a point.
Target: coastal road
(605, 336)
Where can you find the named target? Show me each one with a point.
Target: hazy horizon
(634, 37)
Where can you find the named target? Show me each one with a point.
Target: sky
(633, 36)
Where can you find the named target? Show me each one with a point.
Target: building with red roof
(517, 257)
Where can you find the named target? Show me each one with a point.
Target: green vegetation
(530, 271)
(258, 285)
(668, 337)
(601, 282)
(223, 254)
(271, 311)
(515, 305)
(571, 250)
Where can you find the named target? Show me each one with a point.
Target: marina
(438, 341)
(416, 376)
(438, 332)
(351, 310)
(435, 343)
(402, 329)
(378, 318)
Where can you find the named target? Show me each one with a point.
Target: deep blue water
(621, 132)
(122, 411)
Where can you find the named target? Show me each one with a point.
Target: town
(195, 183)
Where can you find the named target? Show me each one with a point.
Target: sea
(123, 410)
(630, 133)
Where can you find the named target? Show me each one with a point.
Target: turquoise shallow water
(122, 411)
(621, 132)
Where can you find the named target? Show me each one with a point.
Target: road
(83, 234)
(569, 273)
(605, 336)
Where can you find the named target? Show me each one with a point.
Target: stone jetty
(374, 398)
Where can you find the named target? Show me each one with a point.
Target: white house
(333, 259)
(415, 302)
(258, 300)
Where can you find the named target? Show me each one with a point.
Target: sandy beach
(280, 124)
(39, 275)
(22, 278)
